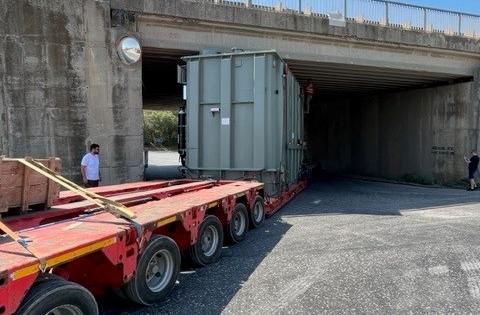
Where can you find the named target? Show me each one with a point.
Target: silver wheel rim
(258, 212)
(239, 223)
(209, 241)
(67, 309)
(159, 270)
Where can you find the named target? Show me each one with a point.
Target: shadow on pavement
(354, 196)
(208, 290)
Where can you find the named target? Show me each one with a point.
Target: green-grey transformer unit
(244, 119)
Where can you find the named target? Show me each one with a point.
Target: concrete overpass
(390, 101)
(353, 58)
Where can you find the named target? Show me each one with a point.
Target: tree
(160, 128)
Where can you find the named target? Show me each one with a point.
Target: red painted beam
(113, 190)
(276, 203)
(73, 209)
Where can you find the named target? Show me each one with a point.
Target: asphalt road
(343, 247)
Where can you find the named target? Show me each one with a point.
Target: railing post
(345, 9)
(387, 22)
(279, 5)
(425, 19)
(459, 24)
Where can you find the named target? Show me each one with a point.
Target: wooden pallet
(21, 187)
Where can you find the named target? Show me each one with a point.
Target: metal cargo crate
(244, 118)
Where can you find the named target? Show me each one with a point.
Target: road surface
(342, 247)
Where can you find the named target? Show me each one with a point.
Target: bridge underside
(367, 120)
(341, 79)
(330, 79)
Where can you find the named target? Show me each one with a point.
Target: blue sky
(469, 6)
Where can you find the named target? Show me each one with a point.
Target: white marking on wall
(438, 270)
(295, 289)
(474, 286)
(472, 268)
(470, 265)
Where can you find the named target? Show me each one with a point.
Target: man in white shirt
(90, 167)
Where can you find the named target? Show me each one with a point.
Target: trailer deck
(91, 247)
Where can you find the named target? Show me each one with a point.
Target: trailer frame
(86, 245)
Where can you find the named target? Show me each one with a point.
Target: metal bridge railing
(379, 12)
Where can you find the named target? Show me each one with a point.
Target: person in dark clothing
(472, 168)
(309, 90)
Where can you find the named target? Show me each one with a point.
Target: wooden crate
(21, 187)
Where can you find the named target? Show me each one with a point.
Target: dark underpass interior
(162, 98)
(159, 73)
(387, 123)
(369, 121)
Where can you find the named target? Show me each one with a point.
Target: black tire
(143, 287)
(211, 232)
(49, 294)
(238, 226)
(257, 213)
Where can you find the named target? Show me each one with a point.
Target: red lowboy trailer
(77, 250)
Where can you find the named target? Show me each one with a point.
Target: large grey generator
(244, 119)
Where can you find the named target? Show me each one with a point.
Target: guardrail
(379, 12)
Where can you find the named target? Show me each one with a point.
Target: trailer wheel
(209, 245)
(156, 273)
(58, 297)
(238, 226)
(257, 214)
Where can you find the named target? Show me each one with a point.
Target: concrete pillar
(115, 113)
(476, 103)
(3, 115)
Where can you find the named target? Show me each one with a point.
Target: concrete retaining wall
(421, 132)
(63, 87)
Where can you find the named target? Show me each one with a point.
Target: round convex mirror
(129, 50)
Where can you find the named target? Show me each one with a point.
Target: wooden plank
(3, 202)
(107, 204)
(26, 189)
(50, 184)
